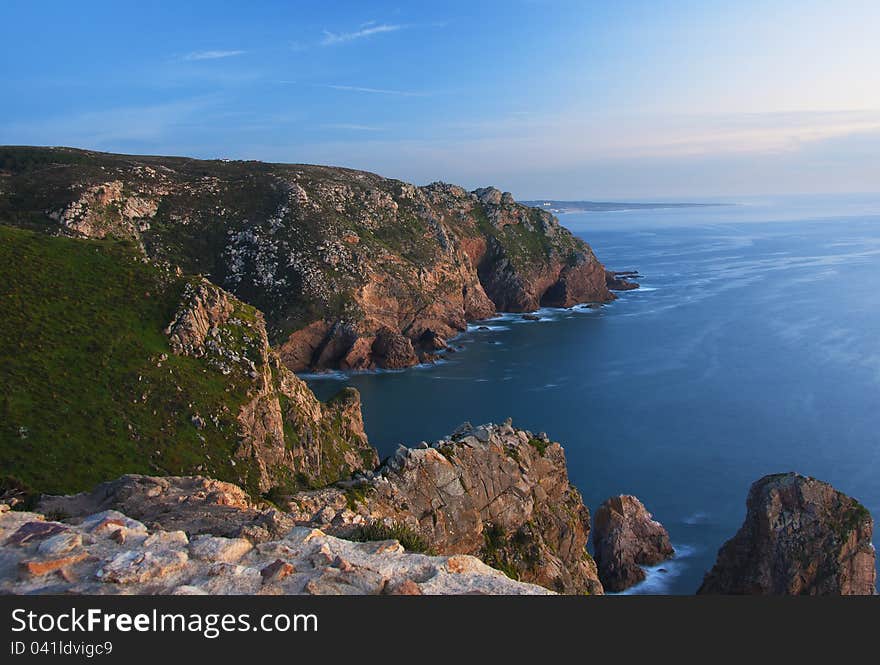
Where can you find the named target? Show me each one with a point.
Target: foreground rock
(110, 553)
(800, 537)
(627, 537)
(496, 492)
(192, 504)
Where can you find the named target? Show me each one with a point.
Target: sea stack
(800, 537)
(627, 537)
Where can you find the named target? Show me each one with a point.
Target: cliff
(134, 342)
(351, 270)
(800, 537)
(114, 364)
(493, 491)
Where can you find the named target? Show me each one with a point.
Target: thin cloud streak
(575, 136)
(352, 127)
(212, 55)
(331, 38)
(378, 91)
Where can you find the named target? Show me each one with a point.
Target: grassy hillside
(88, 386)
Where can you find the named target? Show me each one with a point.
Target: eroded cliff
(493, 491)
(625, 538)
(352, 270)
(800, 537)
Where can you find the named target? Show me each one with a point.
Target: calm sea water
(752, 348)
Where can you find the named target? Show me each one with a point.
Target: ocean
(751, 348)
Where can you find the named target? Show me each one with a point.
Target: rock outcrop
(800, 537)
(625, 538)
(203, 308)
(111, 553)
(496, 492)
(288, 438)
(392, 350)
(621, 281)
(105, 208)
(351, 270)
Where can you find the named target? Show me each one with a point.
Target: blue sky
(545, 99)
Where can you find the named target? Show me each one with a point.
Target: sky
(547, 99)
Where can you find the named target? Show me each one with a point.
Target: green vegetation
(524, 247)
(411, 539)
(90, 389)
(355, 495)
(239, 224)
(855, 515)
(494, 552)
(538, 444)
(447, 450)
(277, 496)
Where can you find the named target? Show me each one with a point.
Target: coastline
(506, 319)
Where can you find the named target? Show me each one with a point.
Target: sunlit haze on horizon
(564, 100)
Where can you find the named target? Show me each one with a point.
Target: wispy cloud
(365, 30)
(378, 91)
(352, 127)
(212, 55)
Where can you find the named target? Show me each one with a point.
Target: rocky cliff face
(351, 270)
(288, 437)
(625, 538)
(493, 491)
(116, 364)
(800, 537)
(108, 552)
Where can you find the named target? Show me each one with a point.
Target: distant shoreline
(563, 207)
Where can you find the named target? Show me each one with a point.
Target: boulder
(392, 350)
(620, 281)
